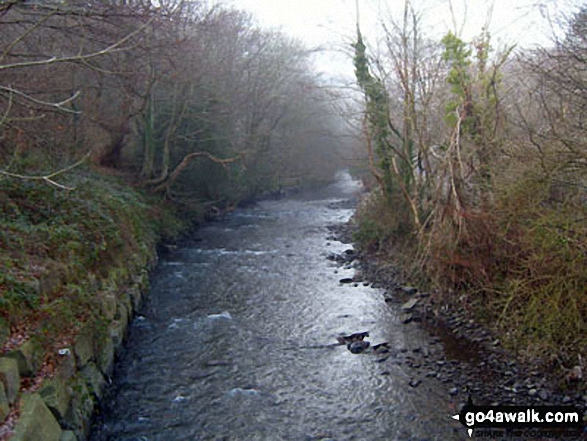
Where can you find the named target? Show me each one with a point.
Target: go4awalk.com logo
(522, 421)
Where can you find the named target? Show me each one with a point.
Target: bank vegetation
(479, 155)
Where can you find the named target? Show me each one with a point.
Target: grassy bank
(65, 255)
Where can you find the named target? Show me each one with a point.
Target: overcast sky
(331, 23)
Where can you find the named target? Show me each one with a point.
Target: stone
(57, 395)
(66, 367)
(94, 379)
(80, 409)
(410, 304)
(407, 318)
(143, 281)
(357, 347)
(454, 391)
(117, 333)
(346, 280)
(543, 394)
(36, 422)
(105, 357)
(84, 347)
(136, 297)
(29, 357)
(68, 435)
(415, 383)
(388, 297)
(410, 290)
(109, 306)
(4, 404)
(4, 331)
(10, 377)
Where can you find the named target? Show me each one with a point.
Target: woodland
(119, 114)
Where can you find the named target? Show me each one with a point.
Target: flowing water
(238, 341)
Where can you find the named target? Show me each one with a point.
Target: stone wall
(61, 409)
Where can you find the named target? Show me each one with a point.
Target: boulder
(117, 331)
(80, 409)
(105, 356)
(36, 422)
(4, 404)
(136, 298)
(29, 357)
(84, 347)
(357, 347)
(4, 331)
(57, 395)
(108, 306)
(94, 379)
(68, 435)
(10, 378)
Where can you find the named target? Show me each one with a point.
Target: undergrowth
(59, 247)
(518, 263)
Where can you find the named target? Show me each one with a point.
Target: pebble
(409, 290)
(415, 383)
(408, 318)
(409, 305)
(516, 384)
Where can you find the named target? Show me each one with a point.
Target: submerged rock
(357, 336)
(357, 347)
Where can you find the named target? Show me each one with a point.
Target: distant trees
(193, 100)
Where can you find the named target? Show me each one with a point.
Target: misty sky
(331, 23)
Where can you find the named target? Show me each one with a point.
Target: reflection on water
(238, 341)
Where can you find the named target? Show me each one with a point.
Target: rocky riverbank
(462, 353)
(75, 268)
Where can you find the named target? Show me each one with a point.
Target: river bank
(75, 269)
(463, 353)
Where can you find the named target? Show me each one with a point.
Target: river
(238, 340)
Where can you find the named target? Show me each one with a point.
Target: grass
(57, 247)
(541, 296)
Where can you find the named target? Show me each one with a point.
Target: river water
(238, 340)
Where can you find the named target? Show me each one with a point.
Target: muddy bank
(462, 353)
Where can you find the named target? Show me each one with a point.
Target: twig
(58, 105)
(48, 178)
